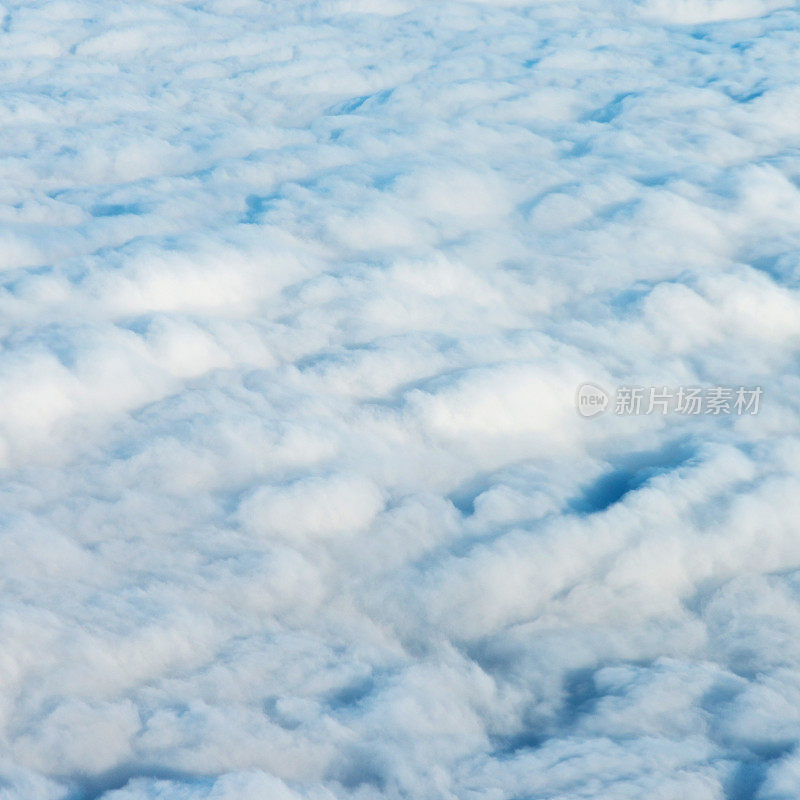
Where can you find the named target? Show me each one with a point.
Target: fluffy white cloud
(294, 302)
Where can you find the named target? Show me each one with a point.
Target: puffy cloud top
(295, 298)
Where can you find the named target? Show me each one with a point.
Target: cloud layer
(294, 301)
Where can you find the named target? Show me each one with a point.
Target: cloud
(294, 302)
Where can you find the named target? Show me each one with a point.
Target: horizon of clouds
(294, 302)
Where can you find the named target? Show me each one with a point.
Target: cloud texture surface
(294, 300)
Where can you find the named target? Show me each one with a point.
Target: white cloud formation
(294, 302)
